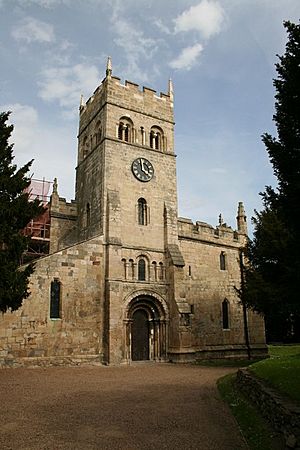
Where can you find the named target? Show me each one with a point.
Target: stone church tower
(128, 280)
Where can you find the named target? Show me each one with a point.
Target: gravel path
(144, 406)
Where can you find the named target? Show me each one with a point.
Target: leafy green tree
(16, 211)
(272, 279)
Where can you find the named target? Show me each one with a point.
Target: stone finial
(220, 220)
(55, 186)
(241, 219)
(171, 90)
(81, 105)
(109, 67)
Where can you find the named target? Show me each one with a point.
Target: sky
(220, 56)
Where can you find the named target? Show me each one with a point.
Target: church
(126, 279)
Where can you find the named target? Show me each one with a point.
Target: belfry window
(142, 212)
(125, 130)
(55, 299)
(225, 314)
(222, 261)
(156, 138)
(142, 269)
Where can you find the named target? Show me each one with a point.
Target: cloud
(42, 142)
(65, 84)
(136, 47)
(161, 26)
(207, 17)
(187, 58)
(25, 119)
(43, 3)
(33, 30)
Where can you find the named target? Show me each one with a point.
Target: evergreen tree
(272, 278)
(16, 211)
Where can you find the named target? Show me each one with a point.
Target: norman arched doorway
(145, 330)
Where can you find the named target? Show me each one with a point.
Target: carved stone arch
(145, 326)
(146, 293)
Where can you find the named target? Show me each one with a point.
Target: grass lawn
(282, 370)
(254, 428)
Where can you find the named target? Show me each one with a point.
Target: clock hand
(143, 167)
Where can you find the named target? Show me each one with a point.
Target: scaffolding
(39, 228)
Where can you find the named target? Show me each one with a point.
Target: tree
(16, 211)
(272, 278)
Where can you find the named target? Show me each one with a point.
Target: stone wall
(282, 413)
(78, 334)
(63, 216)
(204, 286)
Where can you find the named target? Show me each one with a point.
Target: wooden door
(140, 336)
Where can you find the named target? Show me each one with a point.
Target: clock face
(142, 169)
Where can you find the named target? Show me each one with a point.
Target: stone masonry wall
(205, 286)
(77, 335)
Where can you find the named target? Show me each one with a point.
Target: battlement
(222, 234)
(66, 208)
(128, 95)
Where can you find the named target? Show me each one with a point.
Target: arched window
(131, 269)
(154, 265)
(88, 215)
(124, 268)
(156, 138)
(161, 271)
(142, 269)
(55, 299)
(222, 261)
(143, 136)
(142, 212)
(125, 130)
(225, 314)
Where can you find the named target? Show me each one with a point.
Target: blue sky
(219, 54)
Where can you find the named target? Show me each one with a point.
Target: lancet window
(222, 261)
(142, 269)
(142, 212)
(225, 314)
(55, 299)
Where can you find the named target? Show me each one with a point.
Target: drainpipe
(246, 330)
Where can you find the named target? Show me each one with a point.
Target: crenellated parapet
(128, 95)
(201, 231)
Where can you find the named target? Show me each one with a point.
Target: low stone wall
(282, 413)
